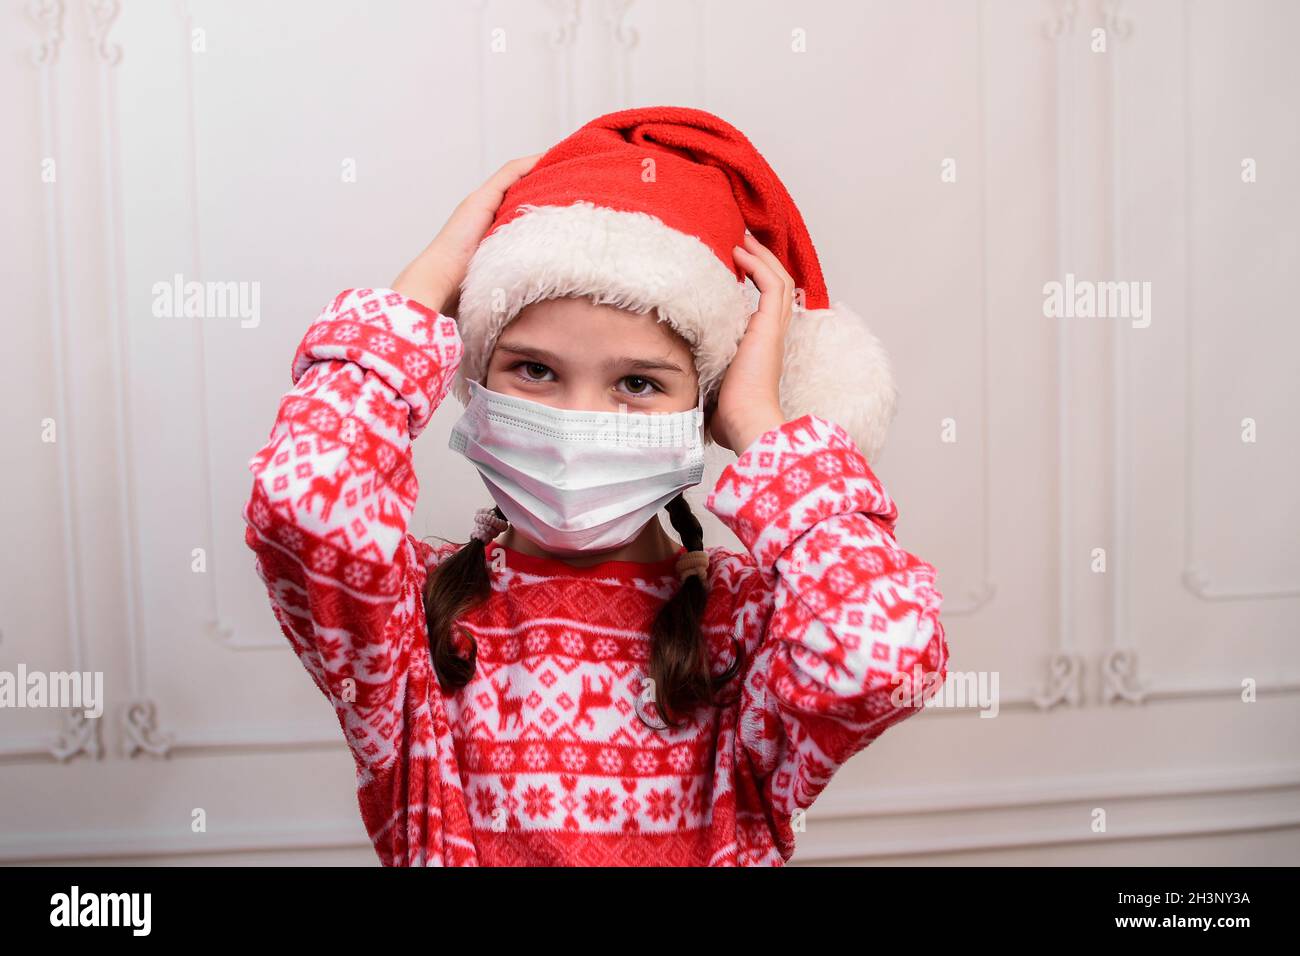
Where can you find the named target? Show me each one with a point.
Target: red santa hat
(640, 209)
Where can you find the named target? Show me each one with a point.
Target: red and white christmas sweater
(543, 758)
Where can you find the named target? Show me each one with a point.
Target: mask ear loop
(696, 562)
(699, 404)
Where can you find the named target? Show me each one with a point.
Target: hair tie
(694, 562)
(487, 525)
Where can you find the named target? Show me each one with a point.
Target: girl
(573, 686)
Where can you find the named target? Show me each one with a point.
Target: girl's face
(569, 353)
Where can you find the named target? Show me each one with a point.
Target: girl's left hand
(749, 399)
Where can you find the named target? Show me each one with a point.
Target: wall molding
(1194, 578)
(1262, 798)
(1055, 791)
(1122, 681)
(1034, 813)
(1119, 665)
(624, 39)
(817, 848)
(1064, 665)
(563, 40)
(47, 18)
(218, 627)
(102, 15)
(138, 716)
(978, 597)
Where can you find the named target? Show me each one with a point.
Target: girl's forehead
(576, 326)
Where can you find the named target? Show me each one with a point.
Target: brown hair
(679, 660)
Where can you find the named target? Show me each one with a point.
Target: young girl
(573, 686)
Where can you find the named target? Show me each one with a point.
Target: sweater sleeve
(847, 618)
(332, 494)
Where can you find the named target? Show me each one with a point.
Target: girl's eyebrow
(550, 358)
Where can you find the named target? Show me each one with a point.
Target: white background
(1120, 690)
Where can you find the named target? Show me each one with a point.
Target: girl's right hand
(433, 278)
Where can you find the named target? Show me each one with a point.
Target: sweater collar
(554, 567)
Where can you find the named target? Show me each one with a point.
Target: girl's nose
(590, 398)
(582, 396)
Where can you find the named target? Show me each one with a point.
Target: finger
(510, 173)
(768, 256)
(770, 286)
(787, 295)
(771, 297)
(523, 164)
(780, 285)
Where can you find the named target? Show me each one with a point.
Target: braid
(457, 584)
(679, 660)
(686, 524)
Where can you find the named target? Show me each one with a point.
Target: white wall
(1120, 690)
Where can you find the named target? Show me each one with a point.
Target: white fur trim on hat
(630, 260)
(833, 365)
(836, 368)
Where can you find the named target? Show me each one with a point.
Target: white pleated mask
(577, 481)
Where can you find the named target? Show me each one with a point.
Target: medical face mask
(577, 481)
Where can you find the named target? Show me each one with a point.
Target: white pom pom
(834, 367)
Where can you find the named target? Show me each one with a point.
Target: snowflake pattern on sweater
(543, 758)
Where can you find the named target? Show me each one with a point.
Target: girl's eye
(636, 385)
(641, 386)
(531, 367)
